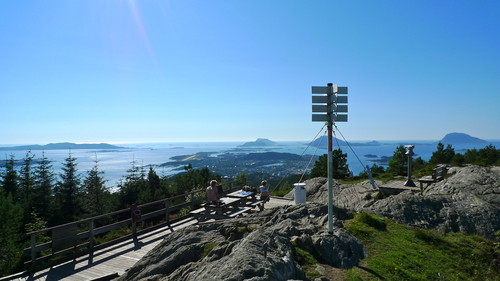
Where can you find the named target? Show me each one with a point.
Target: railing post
(91, 236)
(192, 198)
(33, 249)
(134, 230)
(167, 212)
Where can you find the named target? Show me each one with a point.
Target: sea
(116, 162)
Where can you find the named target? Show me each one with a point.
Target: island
(63, 145)
(259, 143)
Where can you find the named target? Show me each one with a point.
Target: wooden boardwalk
(395, 187)
(120, 257)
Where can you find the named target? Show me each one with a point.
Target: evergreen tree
(340, 168)
(489, 155)
(68, 192)
(11, 251)
(131, 186)
(44, 185)
(154, 183)
(96, 192)
(397, 163)
(241, 179)
(320, 168)
(27, 185)
(10, 179)
(442, 155)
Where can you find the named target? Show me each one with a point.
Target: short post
(33, 249)
(410, 154)
(91, 236)
(167, 212)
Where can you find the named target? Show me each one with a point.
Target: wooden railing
(74, 239)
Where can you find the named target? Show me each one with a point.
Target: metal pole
(330, 162)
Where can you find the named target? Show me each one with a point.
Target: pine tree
(340, 168)
(44, 185)
(154, 183)
(68, 191)
(10, 179)
(27, 185)
(94, 186)
(442, 155)
(11, 251)
(397, 163)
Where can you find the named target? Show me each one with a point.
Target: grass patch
(307, 262)
(398, 253)
(207, 249)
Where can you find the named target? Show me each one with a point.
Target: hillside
(63, 145)
(290, 243)
(461, 138)
(259, 143)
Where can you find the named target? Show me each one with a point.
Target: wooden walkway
(120, 257)
(395, 187)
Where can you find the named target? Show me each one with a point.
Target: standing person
(211, 194)
(264, 191)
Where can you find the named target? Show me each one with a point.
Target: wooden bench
(438, 174)
(258, 203)
(239, 212)
(199, 214)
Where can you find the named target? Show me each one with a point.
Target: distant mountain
(461, 138)
(322, 142)
(63, 145)
(259, 143)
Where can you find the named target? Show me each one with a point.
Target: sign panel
(338, 108)
(321, 99)
(342, 90)
(319, 108)
(319, 89)
(340, 117)
(321, 117)
(328, 117)
(339, 99)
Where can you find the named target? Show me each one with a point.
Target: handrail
(80, 247)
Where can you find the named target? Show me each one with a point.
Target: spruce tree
(154, 183)
(10, 179)
(11, 251)
(340, 168)
(27, 185)
(68, 192)
(44, 185)
(94, 186)
(397, 163)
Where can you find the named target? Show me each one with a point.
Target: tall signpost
(327, 103)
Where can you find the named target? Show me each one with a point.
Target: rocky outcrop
(468, 201)
(260, 246)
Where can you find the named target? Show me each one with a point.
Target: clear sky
(184, 70)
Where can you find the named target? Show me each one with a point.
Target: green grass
(307, 262)
(398, 253)
(207, 249)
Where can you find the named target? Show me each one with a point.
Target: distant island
(63, 145)
(322, 142)
(259, 143)
(461, 138)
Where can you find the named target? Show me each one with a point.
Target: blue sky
(162, 71)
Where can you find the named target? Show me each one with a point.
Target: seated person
(264, 191)
(211, 193)
(249, 189)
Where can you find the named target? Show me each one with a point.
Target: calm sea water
(115, 163)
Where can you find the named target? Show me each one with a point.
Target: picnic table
(248, 199)
(225, 208)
